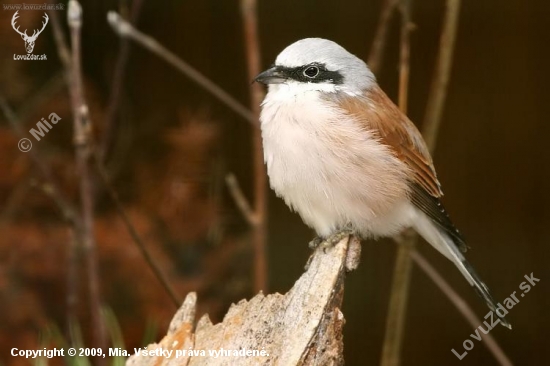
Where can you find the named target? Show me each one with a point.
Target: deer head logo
(29, 40)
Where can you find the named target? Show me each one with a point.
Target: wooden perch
(302, 327)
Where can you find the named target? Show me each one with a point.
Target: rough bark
(302, 327)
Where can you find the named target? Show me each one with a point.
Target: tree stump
(302, 327)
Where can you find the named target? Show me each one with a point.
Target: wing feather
(381, 116)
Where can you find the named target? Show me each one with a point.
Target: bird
(343, 156)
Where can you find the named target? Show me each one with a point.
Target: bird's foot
(331, 241)
(315, 242)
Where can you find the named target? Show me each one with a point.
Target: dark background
(492, 158)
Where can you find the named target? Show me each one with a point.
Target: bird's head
(316, 64)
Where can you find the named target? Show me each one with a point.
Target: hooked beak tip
(270, 76)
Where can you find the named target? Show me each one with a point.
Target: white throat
(294, 89)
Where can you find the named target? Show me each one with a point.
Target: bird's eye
(311, 71)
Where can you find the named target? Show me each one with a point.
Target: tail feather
(473, 278)
(444, 244)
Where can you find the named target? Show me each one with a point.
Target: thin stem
(252, 44)
(397, 309)
(14, 201)
(461, 306)
(74, 252)
(82, 143)
(432, 122)
(439, 88)
(63, 49)
(126, 30)
(135, 236)
(404, 54)
(431, 125)
(116, 87)
(73, 279)
(52, 189)
(68, 211)
(376, 54)
(239, 199)
(61, 43)
(47, 91)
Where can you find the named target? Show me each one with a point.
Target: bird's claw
(315, 242)
(331, 241)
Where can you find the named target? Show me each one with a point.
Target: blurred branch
(404, 54)
(46, 92)
(439, 88)
(397, 308)
(406, 250)
(399, 295)
(462, 307)
(67, 210)
(14, 201)
(82, 135)
(52, 189)
(249, 10)
(240, 199)
(126, 30)
(61, 43)
(111, 119)
(72, 280)
(376, 54)
(75, 242)
(134, 234)
(62, 49)
(436, 101)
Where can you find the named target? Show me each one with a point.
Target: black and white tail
(446, 244)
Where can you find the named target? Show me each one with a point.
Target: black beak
(271, 76)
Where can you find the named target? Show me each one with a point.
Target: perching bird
(342, 155)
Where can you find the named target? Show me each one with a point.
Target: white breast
(329, 168)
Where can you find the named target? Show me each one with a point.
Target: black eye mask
(323, 75)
